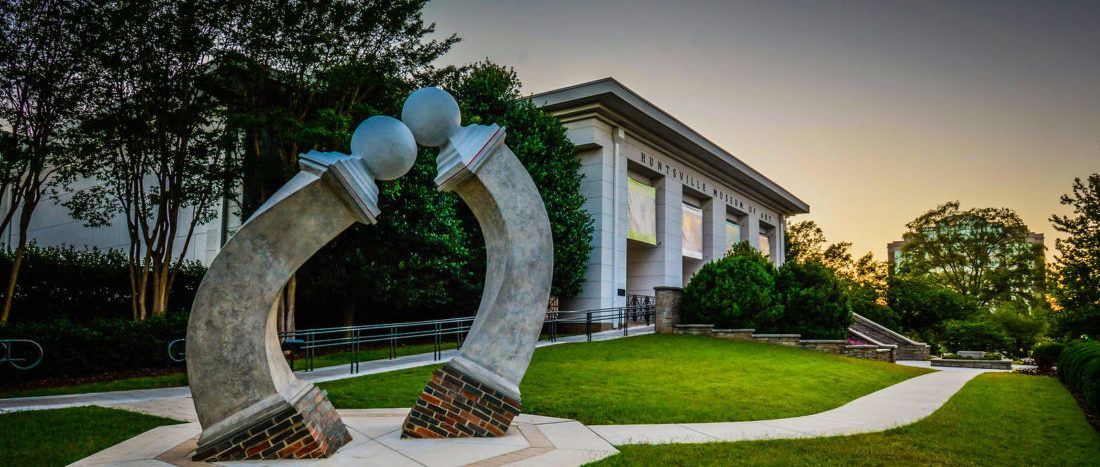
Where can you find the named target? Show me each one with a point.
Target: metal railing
(353, 338)
(16, 360)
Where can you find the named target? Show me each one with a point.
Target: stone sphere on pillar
(386, 145)
(432, 114)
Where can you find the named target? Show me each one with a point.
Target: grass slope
(59, 437)
(661, 379)
(996, 419)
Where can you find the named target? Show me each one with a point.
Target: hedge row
(74, 348)
(1079, 370)
(83, 284)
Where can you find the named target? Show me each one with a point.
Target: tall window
(642, 209)
(733, 234)
(765, 246)
(692, 231)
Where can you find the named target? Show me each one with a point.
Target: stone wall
(982, 364)
(886, 353)
(734, 334)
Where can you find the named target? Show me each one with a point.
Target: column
(714, 230)
(752, 230)
(670, 209)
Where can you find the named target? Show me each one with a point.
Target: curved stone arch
(477, 392)
(240, 383)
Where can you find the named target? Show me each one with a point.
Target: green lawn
(59, 437)
(996, 419)
(661, 379)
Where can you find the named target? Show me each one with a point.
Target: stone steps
(908, 349)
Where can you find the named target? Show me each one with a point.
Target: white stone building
(664, 198)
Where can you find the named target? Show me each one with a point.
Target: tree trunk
(12, 277)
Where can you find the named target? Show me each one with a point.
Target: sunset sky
(872, 112)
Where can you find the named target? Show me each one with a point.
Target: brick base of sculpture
(308, 428)
(455, 405)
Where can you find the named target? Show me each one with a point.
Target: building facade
(665, 200)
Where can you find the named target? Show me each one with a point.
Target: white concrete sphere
(386, 145)
(432, 114)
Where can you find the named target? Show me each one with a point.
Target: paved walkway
(901, 404)
(142, 396)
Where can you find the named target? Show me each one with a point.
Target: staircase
(877, 334)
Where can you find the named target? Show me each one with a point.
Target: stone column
(668, 308)
(752, 230)
(670, 217)
(714, 230)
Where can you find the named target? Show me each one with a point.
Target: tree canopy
(1077, 290)
(982, 253)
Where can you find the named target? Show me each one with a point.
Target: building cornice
(617, 105)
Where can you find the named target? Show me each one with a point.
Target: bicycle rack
(177, 355)
(6, 346)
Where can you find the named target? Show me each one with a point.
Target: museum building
(665, 200)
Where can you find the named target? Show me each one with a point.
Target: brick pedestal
(307, 428)
(455, 405)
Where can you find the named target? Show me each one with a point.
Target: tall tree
(490, 93)
(299, 76)
(982, 253)
(155, 135)
(42, 95)
(1078, 261)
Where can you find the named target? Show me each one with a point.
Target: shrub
(73, 348)
(1046, 356)
(1079, 370)
(974, 335)
(924, 305)
(81, 285)
(1020, 326)
(814, 302)
(737, 291)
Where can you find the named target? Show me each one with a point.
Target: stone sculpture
(249, 402)
(477, 392)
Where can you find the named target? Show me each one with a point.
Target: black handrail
(353, 337)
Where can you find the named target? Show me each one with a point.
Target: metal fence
(21, 354)
(356, 340)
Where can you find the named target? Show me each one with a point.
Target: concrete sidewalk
(139, 397)
(901, 404)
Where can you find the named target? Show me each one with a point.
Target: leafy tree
(1077, 292)
(804, 241)
(490, 93)
(982, 253)
(736, 291)
(154, 135)
(42, 87)
(815, 302)
(923, 305)
(297, 76)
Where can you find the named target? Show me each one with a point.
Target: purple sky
(872, 112)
